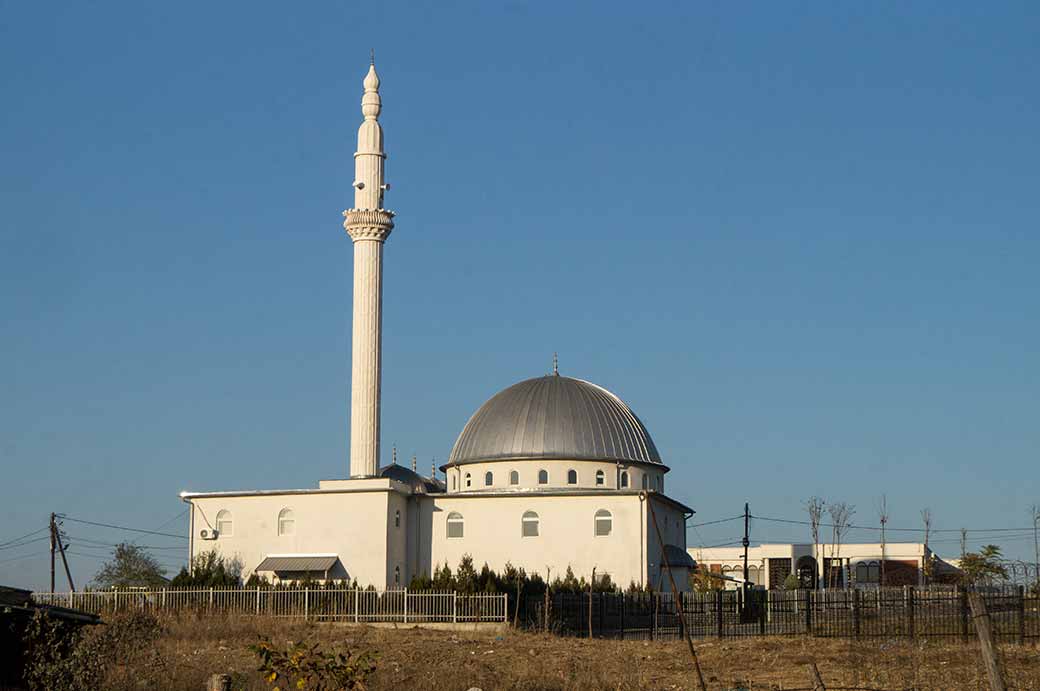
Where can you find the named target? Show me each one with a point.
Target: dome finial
(395, 454)
(372, 55)
(556, 365)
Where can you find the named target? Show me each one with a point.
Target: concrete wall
(348, 524)
(566, 537)
(527, 472)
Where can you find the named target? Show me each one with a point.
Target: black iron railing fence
(892, 612)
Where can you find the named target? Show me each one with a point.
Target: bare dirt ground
(192, 648)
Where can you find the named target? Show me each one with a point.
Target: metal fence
(322, 604)
(888, 613)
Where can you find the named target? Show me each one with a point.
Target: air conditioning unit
(208, 534)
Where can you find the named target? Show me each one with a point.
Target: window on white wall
(572, 477)
(286, 522)
(604, 522)
(469, 480)
(455, 524)
(453, 479)
(600, 477)
(514, 477)
(543, 477)
(397, 575)
(225, 526)
(624, 478)
(646, 481)
(529, 524)
(397, 518)
(489, 479)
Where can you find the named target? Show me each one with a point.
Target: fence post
(306, 602)
(1021, 615)
(357, 605)
(718, 613)
(987, 642)
(70, 599)
(455, 607)
(211, 597)
(406, 605)
(808, 612)
(258, 600)
(624, 598)
(964, 615)
(855, 614)
(909, 589)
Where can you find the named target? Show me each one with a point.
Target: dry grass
(410, 658)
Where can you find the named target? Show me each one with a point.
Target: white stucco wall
(351, 525)
(566, 534)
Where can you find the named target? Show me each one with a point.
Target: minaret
(368, 225)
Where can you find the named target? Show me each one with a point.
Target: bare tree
(883, 517)
(841, 514)
(814, 507)
(926, 518)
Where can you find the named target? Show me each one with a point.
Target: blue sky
(800, 240)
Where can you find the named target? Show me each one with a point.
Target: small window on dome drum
(572, 477)
(646, 481)
(600, 478)
(469, 480)
(624, 478)
(543, 477)
(489, 479)
(514, 477)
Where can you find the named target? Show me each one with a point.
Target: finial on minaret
(433, 469)
(394, 454)
(372, 53)
(556, 365)
(413, 462)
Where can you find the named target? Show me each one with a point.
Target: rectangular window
(454, 528)
(530, 528)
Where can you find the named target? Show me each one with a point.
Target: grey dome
(554, 417)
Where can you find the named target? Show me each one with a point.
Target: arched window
(455, 524)
(225, 526)
(489, 479)
(397, 575)
(646, 481)
(624, 478)
(572, 477)
(453, 479)
(397, 518)
(753, 575)
(543, 477)
(514, 477)
(600, 477)
(529, 524)
(286, 522)
(604, 522)
(660, 483)
(469, 480)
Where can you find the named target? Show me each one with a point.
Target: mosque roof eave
(507, 458)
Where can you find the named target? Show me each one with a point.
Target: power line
(26, 542)
(721, 520)
(903, 530)
(101, 543)
(123, 527)
(24, 556)
(166, 523)
(4, 544)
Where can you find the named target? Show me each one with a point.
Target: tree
(131, 566)
(210, 570)
(814, 507)
(701, 581)
(983, 567)
(841, 513)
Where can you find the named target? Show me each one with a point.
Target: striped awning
(297, 563)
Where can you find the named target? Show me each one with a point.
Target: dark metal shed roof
(554, 417)
(297, 563)
(679, 558)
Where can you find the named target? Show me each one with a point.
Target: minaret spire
(368, 225)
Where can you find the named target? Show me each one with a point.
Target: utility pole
(746, 541)
(964, 543)
(53, 542)
(1036, 547)
(883, 515)
(64, 561)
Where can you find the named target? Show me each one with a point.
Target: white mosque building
(549, 473)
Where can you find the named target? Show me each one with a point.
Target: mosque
(549, 473)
